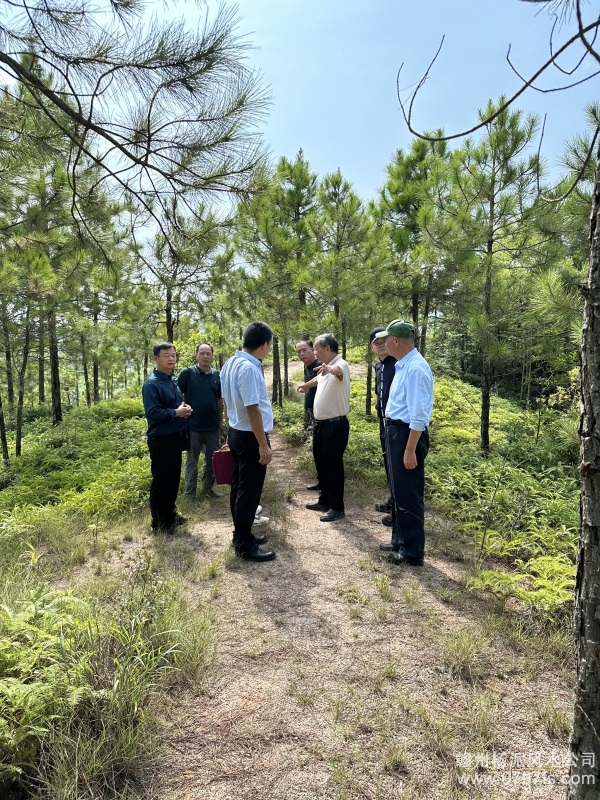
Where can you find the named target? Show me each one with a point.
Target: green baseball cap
(398, 328)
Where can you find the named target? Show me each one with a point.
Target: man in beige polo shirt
(330, 437)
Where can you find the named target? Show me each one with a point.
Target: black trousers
(330, 440)
(246, 485)
(408, 487)
(385, 463)
(165, 460)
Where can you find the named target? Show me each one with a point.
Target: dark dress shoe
(331, 515)
(387, 546)
(256, 554)
(211, 493)
(165, 530)
(260, 538)
(396, 558)
(179, 520)
(316, 507)
(383, 508)
(314, 487)
(388, 520)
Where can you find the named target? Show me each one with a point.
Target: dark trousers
(385, 464)
(246, 486)
(165, 460)
(408, 487)
(330, 440)
(207, 441)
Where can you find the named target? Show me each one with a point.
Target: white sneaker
(258, 510)
(258, 520)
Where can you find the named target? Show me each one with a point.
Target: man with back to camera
(166, 413)
(306, 354)
(250, 422)
(331, 426)
(384, 374)
(201, 387)
(407, 416)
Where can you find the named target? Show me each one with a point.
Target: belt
(329, 419)
(398, 422)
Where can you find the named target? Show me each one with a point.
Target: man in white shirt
(331, 426)
(250, 420)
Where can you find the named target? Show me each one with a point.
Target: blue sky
(331, 67)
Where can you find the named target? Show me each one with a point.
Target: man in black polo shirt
(201, 387)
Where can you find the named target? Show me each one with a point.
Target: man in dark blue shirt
(166, 414)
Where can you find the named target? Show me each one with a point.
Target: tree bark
(10, 386)
(54, 371)
(585, 741)
(41, 361)
(86, 375)
(95, 361)
(22, 373)
(3, 439)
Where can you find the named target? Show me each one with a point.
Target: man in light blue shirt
(250, 420)
(407, 416)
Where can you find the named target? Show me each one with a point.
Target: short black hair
(163, 346)
(307, 341)
(212, 349)
(327, 340)
(256, 334)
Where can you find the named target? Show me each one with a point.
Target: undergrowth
(82, 674)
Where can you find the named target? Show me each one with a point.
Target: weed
(554, 720)
(411, 597)
(462, 653)
(482, 721)
(384, 587)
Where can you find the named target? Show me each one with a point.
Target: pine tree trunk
(369, 397)
(10, 386)
(3, 439)
(22, 373)
(41, 362)
(54, 371)
(274, 388)
(86, 375)
(169, 314)
(95, 362)
(585, 741)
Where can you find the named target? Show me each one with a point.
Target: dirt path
(337, 675)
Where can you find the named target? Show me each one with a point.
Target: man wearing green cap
(407, 415)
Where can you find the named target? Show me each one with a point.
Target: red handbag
(222, 462)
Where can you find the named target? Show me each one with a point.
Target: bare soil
(338, 675)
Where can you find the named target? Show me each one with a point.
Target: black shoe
(260, 538)
(316, 507)
(388, 546)
(179, 520)
(314, 487)
(211, 493)
(383, 508)
(164, 530)
(331, 515)
(388, 520)
(396, 558)
(256, 554)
